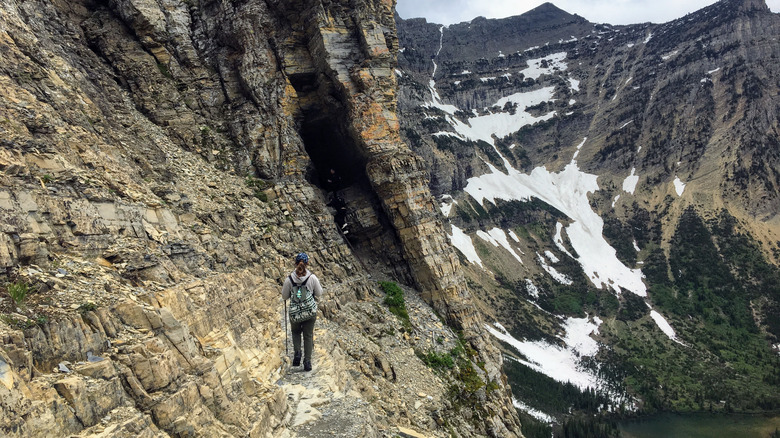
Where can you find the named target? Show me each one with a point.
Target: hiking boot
(307, 365)
(297, 359)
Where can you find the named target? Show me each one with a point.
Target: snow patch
(436, 100)
(463, 243)
(446, 205)
(483, 127)
(551, 257)
(553, 62)
(574, 84)
(666, 57)
(514, 236)
(445, 134)
(531, 288)
(559, 363)
(664, 325)
(578, 331)
(497, 237)
(577, 152)
(679, 186)
(567, 191)
(557, 276)
(629, 184)
(539, 415)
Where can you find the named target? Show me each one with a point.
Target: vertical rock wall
(153, 192)
(364, 70)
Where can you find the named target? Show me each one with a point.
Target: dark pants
(305, 328)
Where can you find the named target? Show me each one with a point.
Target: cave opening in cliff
(337, 161)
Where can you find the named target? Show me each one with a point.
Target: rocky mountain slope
(161, 163)
(613, 193)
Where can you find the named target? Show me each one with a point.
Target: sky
(596, 11)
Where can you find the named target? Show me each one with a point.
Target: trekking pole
(286, 352)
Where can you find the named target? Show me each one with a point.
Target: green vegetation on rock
(18, 292)
(395, 300)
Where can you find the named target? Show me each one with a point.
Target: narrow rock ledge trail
(319, 405)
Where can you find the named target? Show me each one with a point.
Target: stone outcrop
(161, 162)
(158, 362)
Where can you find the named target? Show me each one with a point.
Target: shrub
(164, 70)
(438, 360)
(468, 377)
(261, 196)
(18, 292)
(87, 307)
(395, 300)
(258, 187)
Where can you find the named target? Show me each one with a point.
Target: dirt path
(321, 402)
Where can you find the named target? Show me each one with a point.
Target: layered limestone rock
(161, 164)
(399, 177)
(158, 363)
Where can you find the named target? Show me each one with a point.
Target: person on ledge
(299, 287)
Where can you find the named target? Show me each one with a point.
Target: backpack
(303, 306)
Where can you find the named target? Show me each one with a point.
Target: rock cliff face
(548, 137)
(609, 76)
(162, 162)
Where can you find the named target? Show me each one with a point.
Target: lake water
(701, 426)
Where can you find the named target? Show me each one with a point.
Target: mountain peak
(547, 11)
(546, 7)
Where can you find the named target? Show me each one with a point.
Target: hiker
(303, 289)
(340, 216)
(332, 181)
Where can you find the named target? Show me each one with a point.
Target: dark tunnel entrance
(337, 162)
(357, 211)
